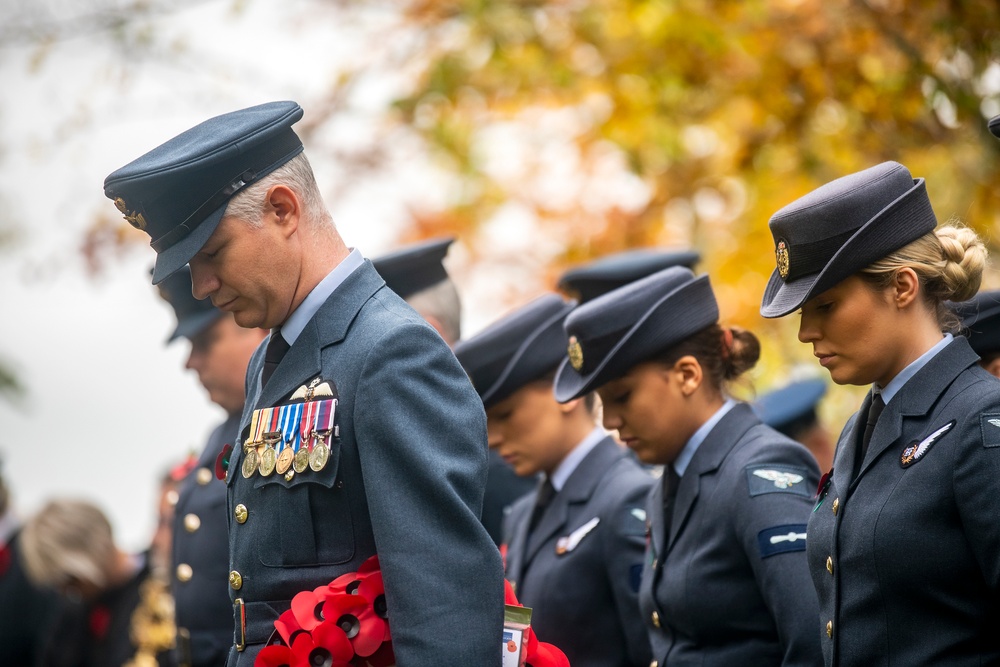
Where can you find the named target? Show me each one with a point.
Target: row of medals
(260, 456)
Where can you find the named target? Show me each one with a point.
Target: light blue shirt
(684, 458)
(297, 321)
(573, 459)
(904, 375)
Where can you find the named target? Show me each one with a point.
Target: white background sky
(108, 406)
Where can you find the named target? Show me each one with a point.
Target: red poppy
(547, 655)
(503, 555)
(373, 589)
(274, 656)
(383, 657)
(99, 621)
(307, 609)
(4, 559)
(345, 583)
(355, 616)
(508, 594)
(287, 627)
(532, 642)
(327, 646)
(222, 462)
(370, 565)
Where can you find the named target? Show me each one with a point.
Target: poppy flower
(373, 589)
(547, 655)
(383, 657)
(355, 616)
(222, 462)
(532, 641)
(287, 627)
(307, 609)
(345, 583)
(508, 594)
(5, 559)
(274, 656)
(99, 620)
(327, 646)
(370, 565)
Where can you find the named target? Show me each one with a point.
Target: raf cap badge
(575, 352)
(781, 257)
(916, 451)
(133, 218)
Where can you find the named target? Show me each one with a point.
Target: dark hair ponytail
(725, 353)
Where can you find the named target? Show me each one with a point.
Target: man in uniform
(220, 352)
(391, 430)
(417, 274)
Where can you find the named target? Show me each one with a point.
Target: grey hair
(440, 301)
(249, 204)
(68, 540)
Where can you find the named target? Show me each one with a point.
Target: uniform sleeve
(777, 489)
(623, 554)
(421, 434)
(977, 469)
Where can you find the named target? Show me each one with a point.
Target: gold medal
(285, 458)
(267, 461)
(301, 459)
(249, 463)
(319, 456)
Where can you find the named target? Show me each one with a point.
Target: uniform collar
(904, 375)
(684, 458)
(297, 321)
(572, 460)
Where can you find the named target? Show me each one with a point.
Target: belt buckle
(242, 641)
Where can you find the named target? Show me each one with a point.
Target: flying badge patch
(990, 426)
(566, 544)
(782, 539)
(915, 451)
(763, 479)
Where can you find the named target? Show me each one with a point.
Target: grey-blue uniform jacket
(405, 479)
(200, 558)
(906, 558)
(579, 569)
(730, 585)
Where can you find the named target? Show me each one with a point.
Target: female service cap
(519, 348)
(980, 317)
(178, 192)
(840, 228)
(614, 332)
(589, 281)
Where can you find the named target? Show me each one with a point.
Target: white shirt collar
(684, 458)
(901, 378)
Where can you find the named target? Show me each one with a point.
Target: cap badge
(781, 255)
(133, 218)
(575, 353)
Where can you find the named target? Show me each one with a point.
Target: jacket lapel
(577, 490)
(710, 455)
(918, 396)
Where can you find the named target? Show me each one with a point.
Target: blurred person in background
(199, 564)
(112, 611)
(25, 608)
(981, 326)
(417, 274)
(792, 410)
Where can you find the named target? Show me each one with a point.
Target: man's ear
(284, 208)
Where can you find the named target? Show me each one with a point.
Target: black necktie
(874, 410)
(545, 495)
(671, 480)
(275, 352)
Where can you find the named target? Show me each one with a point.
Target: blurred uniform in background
(981, 325)
(220, 352)
(574, 548)
(591, 280)
(25, 609)
(112, 611)
(791, 410)
(416, 273)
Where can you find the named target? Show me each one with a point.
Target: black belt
(254, 621)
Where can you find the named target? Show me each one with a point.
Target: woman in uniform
(904, 542)
(724, 580)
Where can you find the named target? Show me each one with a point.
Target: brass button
(829, 629)
(191, 522)
(184, 572)
(204, 476)
(235, 580)
(656, 619)
(241, 513)
(829, 564)
(654, 664)
(836, 505)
